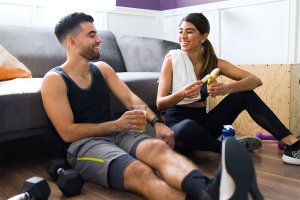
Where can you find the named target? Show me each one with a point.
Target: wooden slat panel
(295, 100)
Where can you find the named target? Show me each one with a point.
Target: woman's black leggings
(196, 129)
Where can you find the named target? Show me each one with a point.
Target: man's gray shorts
(91, 156)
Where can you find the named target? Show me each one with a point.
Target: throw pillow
(11, 67)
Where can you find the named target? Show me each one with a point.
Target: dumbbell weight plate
(70, 182)
(53, 165)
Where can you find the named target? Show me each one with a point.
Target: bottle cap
(228, 127)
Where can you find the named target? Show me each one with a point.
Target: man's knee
(156, 146)
(151, 148)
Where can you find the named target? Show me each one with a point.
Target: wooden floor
(277, 181)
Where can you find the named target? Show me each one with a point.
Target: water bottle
(227, 131)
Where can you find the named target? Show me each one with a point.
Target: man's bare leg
(141, 178)
(172, 166)
(182, 175)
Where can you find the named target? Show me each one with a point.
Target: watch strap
(155, 120)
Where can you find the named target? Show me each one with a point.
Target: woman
(183, 96)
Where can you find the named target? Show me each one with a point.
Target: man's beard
(90, 55)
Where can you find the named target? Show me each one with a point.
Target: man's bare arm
(58, 109)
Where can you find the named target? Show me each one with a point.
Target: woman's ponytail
(210, 60)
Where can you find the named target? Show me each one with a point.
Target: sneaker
(238, 178)
(250, 142)
(291, 156)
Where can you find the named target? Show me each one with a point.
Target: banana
(214, 74)
(205, 78)
(210, 78)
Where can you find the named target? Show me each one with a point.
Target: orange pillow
(11, 67)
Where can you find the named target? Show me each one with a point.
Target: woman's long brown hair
(210, 60)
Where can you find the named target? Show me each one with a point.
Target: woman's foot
(250, 142)
(291, 154)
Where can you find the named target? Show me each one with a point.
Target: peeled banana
(210, 78)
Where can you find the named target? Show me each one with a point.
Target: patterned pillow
(11, 67)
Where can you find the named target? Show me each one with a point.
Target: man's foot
(291, 156)
(250, 142)
(212, 190)
(238, 177)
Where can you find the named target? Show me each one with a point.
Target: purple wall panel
(143, 4)
(168, 4)
(185, 3)
(161, 4)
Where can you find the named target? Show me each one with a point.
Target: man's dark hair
(69, 23)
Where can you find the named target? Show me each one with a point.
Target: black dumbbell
(34, 188)
(68, 180)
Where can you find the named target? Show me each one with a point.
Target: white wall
(247, 32)
(135, 22)
(256, 34)
(15, 14)
(253, 31)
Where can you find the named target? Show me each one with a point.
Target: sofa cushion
(148, 53)
(110, 52)
(143, 84)
(21, 105)
(11, 67)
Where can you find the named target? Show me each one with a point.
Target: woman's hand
(218, 89)
(191, 90)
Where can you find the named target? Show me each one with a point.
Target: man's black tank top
(90, 105)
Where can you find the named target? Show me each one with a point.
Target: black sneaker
(238, 178)
(291, 156)
(250, 142)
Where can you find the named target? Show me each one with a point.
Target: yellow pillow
(11, 67)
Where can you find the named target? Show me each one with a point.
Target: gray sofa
(137, 61)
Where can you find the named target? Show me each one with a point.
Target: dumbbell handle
(60, 171)
(23, 196)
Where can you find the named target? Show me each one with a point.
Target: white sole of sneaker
(290, 160)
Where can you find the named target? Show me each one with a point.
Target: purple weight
(262, 136)
(280, 145)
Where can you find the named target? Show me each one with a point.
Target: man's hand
(164, 133)
(130, 120)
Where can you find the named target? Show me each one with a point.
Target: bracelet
(155, 120)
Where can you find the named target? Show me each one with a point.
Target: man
(103, 149)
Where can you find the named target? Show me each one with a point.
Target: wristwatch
(155, 120)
